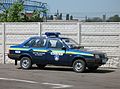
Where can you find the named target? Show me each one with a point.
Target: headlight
(97, 56)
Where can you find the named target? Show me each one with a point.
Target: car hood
(90, 51)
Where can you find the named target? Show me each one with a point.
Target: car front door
(55, 54)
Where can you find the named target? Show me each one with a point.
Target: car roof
(49, 35)
(38, 37)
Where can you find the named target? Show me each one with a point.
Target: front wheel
(79, 66)
(25, 63)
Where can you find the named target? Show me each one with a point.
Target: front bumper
(101, 61)
(96, 62)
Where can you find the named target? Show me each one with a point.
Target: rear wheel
(79, 66)
(40, 66)
(25, 63)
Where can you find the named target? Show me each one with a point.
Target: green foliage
(12, 14)
(44, 11)
(15, 12)
(95, 19)
(35, 16)
(24, 18)
(114, 18)
(4, 15)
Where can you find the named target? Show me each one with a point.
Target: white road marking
(58, 85)
(18, 80)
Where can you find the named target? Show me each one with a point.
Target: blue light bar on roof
(52, 34)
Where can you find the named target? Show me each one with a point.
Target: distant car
(55, 50)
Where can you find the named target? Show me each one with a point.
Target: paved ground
(12, 77)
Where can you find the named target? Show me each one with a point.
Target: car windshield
(70, 42)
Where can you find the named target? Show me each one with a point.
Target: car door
(55, 54)
(38, 51)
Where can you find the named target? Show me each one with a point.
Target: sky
(83, 6)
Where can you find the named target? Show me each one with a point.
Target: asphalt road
(12, 77)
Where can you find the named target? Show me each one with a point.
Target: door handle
(31, 50)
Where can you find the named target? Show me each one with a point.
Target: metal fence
(95, 36)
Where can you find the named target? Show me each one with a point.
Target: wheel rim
(78, 66)
(25, 63)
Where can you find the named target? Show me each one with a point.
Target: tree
(4, 15)
(24, 18)
(44, 18)
(15, 12)
(36, 16)
(95, 19)
(71, 17)
(114, 18)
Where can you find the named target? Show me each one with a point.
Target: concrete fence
(95, 36)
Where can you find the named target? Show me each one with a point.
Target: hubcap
(78, 66)
(25, 63)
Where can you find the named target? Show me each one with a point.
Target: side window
(54, 43)
(39, 43)
(30, 42)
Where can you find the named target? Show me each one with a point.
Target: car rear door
(37, 49)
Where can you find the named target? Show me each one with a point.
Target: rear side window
(36, 43)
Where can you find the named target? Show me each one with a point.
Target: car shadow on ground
(102, 71)
(69, 69)
(86, 71)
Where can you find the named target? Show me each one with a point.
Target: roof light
(52, 34)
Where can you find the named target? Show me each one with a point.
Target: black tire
(79, 66)
(93, 68)
(25, 63)
(40, 66)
